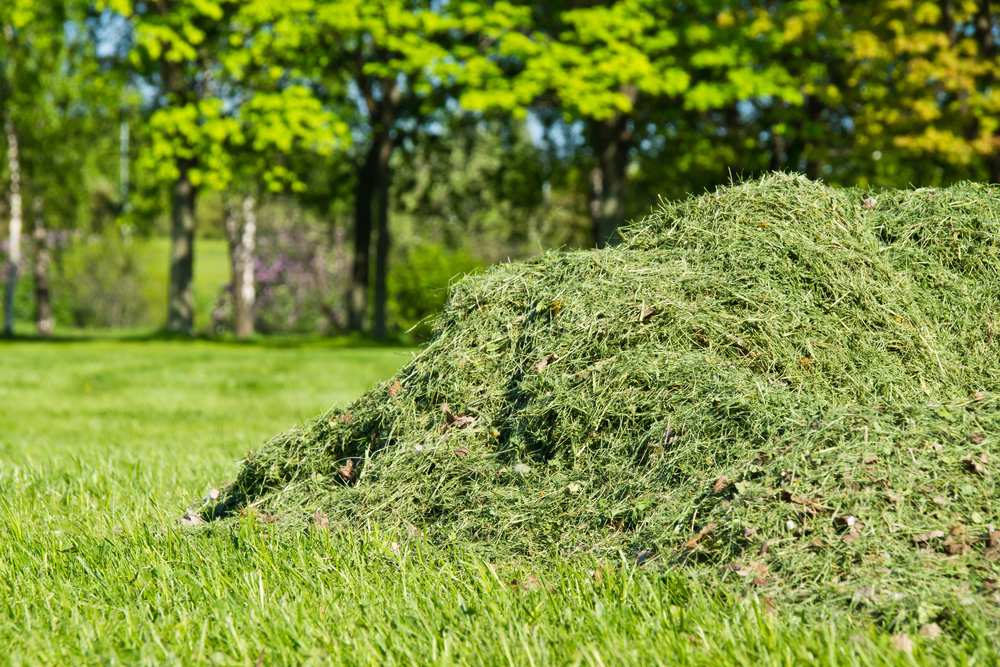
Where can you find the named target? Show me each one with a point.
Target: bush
(418, 284)
(98, 281)
(299, 274)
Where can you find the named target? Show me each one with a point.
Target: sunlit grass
(104, 444)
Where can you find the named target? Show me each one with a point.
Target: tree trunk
(357, 296)
(241, 230)
(14, 252)
(180, 307)
(993, 165)
(44, 319)
(595, 203)
(379, 326)
(611, 142)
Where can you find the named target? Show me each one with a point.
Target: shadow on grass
(289, 341)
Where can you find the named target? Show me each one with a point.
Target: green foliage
(62, 107)
(597, 61)
(222, 111)
(418, 286)
(482, 186)
(929, 73)
(101, 282)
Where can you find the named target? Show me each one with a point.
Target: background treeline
(341, 159)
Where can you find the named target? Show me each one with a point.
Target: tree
(623, 68)
(928, 74)
(218, 115)
(32, 60)
(273, 125)
(370, 60)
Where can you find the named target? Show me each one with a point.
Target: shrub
(98, 282)
(299, 271)
(418, 284)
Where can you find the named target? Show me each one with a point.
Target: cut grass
(782, 384)
(93, 569)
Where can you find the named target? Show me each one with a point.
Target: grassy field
(104, 444)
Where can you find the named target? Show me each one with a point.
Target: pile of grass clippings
(789, 385)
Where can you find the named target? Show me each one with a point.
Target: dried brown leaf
(756, 568)
(740, 345)
(976, 437)
(599, 572)
(975, 465)
(720, 484)
(954, 543)
(320, 520)
(930, 630)
(647, 313)
(693, 542)
(455, 421)
(924, 539)
(542, 364)
(811, 506)
(941, 500)
(394, 389)
(462, 421)
(901, 643)
(461, 452)
(190, 519)
(346, 470)
(529, 583)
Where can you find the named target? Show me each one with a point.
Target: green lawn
(104, 444)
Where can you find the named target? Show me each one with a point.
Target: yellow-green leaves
(929, 73)
(226, 108)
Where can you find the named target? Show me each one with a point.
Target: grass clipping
(788, 384)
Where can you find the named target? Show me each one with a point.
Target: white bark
(14, 253)
(14, 166)
(241, 230)
(248, 244)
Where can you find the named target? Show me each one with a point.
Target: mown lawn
(103, 444)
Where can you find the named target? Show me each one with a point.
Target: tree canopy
(582, 111)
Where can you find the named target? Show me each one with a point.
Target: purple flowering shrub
(300, 274)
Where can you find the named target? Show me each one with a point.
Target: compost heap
(787, 384)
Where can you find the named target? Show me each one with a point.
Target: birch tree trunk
(241, 230)
(44, 320)
(14, 167)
